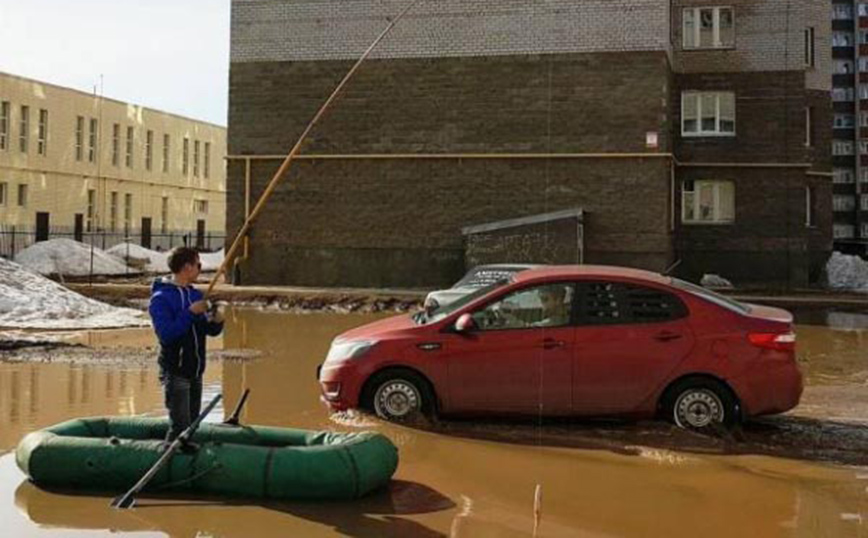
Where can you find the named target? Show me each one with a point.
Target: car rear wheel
(399, 396)
(702, 404)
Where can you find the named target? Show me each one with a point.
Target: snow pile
(211, 260)
(715, 282)
(847, 272)
(149, 260)
(68, 257)
(31, 301)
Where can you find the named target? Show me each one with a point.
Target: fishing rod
(284, 168)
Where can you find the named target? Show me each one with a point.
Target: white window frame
(716, 218)
(843, 147)
(24, 138)
(845, 121)
(843, 231)
(843, 202)
(844, 176)
(5, 118)
(79, 138)
(842, 12)
(93, 135)
(698, 95)
(42, 133)
(696, 12)
(842, 39)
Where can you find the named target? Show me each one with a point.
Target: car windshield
(486, 276)
(708, 295)
(441, 312)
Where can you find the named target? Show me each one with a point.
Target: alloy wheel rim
(698, 409)
(396, 399)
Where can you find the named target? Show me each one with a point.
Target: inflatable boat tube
(111, 454)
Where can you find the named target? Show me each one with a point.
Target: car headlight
(344, 350)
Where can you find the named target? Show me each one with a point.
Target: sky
(171, 55)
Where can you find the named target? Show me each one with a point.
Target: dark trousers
(183, 400)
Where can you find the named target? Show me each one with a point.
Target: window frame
(4, 193)
(24, 135)
(5, 121)
(503, 296)
(716, 221)
(700, 133)
(23, 194)
(697, 35)
(622, 292)
(42, 133)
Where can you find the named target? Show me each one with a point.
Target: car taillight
(776, 341)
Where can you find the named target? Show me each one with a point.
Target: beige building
(77, 165)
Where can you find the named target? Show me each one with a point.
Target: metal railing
(15, 239)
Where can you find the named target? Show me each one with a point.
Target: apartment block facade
(77, 165)
(850, 125)
(688, 133)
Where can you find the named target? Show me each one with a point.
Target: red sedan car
(573, 341)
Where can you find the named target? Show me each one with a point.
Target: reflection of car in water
(478, 277)
(578, 341)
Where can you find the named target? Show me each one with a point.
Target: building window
(24, 139)
(128, 212)
(149, 150)
(842, 39)
(842, 11)
(130, 139)
(3, 193)
(113, 212)
(90, 222)
(708, 114)
(195, 158)
(843, 147)
(42, 136)
(167, 142)
(843, 67)
(5, 107)
(864, 176)
(164, 215)
(708, 202)
(91, 141)
(709, 28)
(116, 144)
(844, 121)
(810, 207)
(863, 9)
(843, 231)
(843, 202)
(863, 147)
(809, 126)
(185, 158)
(200, 206)
(22, 195)
(843, 94)
(207, 160)
(79, 138)
(844, 175)
(863, 202)
(809, 47)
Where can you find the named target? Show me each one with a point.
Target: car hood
(379, 328)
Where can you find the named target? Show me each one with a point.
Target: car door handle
(551, 343)
(666, 336)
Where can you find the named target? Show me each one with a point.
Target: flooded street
(802, 475)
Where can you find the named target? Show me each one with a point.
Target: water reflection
(448, 483)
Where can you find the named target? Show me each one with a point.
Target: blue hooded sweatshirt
(182, 334)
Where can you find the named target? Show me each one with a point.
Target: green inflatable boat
(111, 454)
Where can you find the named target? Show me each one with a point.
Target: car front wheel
(400, 396)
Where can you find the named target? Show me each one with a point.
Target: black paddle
(128, 499)
(233, 420)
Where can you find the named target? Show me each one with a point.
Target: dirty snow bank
(31, 301)
(68, 257)
(158, 262)
(150, 260)
(848, 273)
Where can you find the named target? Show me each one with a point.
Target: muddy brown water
(471, 479)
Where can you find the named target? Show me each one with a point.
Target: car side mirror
(431, 305)
(465, 324)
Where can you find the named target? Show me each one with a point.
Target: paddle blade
(124, 501)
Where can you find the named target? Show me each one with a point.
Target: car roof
(590, 271)
(506, 266)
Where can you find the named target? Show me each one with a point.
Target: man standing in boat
(182, 321)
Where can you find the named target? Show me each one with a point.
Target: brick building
(849, 147)
(684, 131)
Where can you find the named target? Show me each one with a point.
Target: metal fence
(13, 240)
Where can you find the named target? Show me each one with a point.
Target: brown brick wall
(769, 241)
